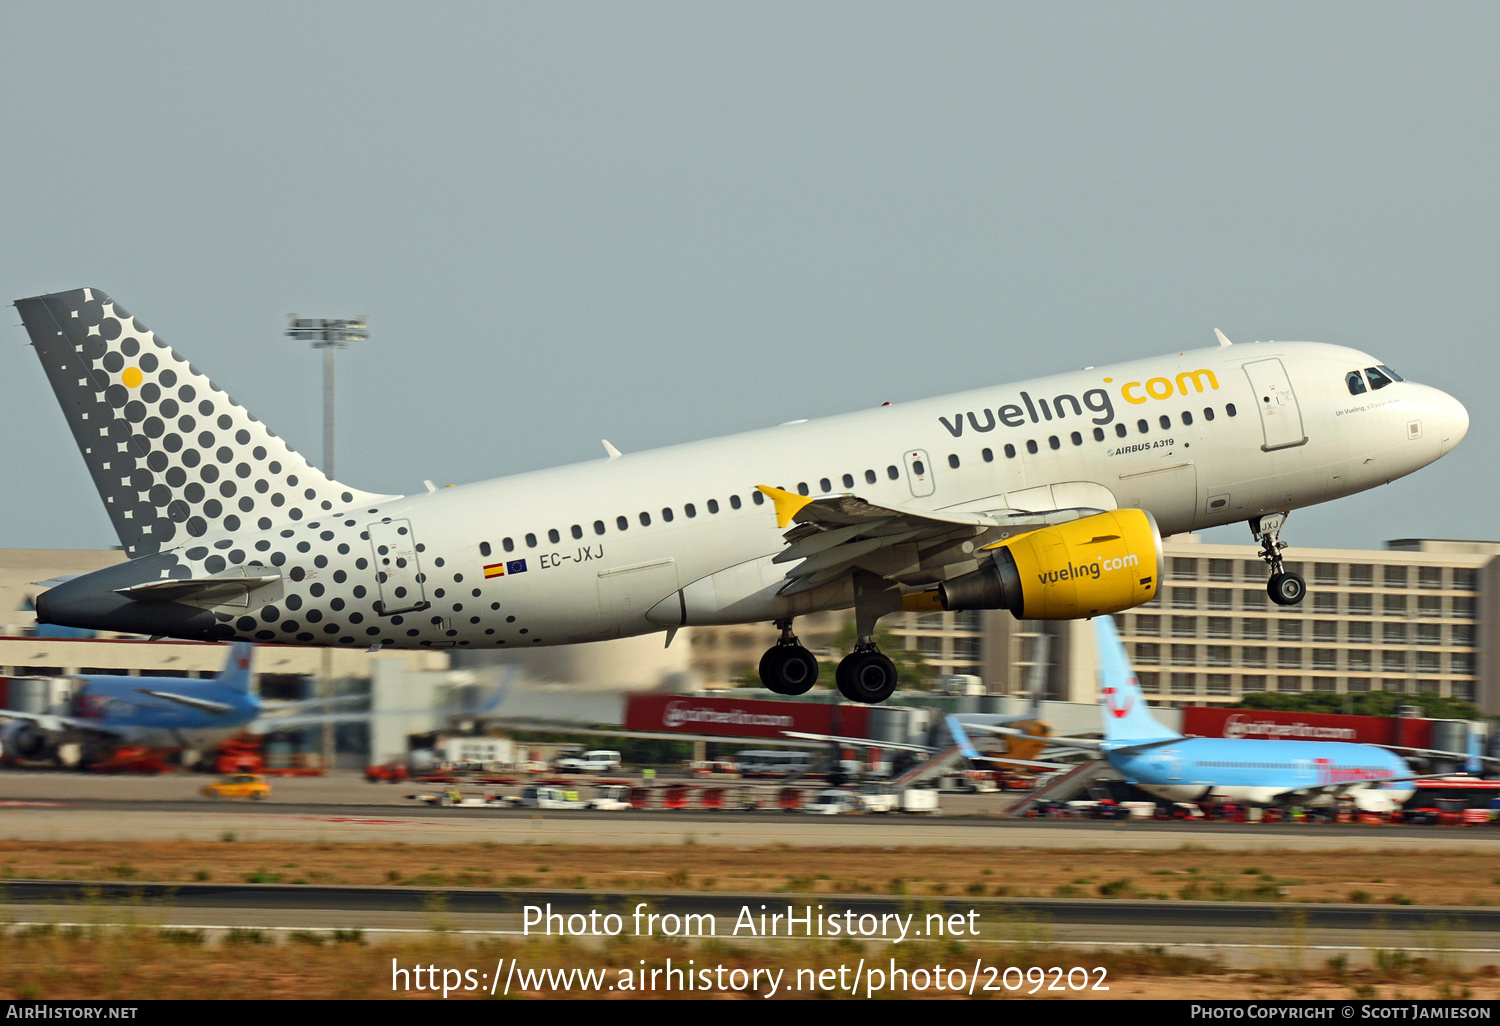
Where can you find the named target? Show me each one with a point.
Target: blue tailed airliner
(1169, 765)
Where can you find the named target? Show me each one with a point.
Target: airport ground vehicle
(775, 762)
(597, 761)
(612, 798)
(239, 785)
(540, 796)
(834, 802)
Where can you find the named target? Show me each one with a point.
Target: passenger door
(1280, 416)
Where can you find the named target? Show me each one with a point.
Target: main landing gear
(787, 668)
(865, 675)
(1284, 587)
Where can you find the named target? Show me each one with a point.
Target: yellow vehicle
(239, 785)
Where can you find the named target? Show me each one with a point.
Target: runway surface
(202, 820)
(1237, 933)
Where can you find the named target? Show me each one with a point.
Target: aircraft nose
(1454, 420)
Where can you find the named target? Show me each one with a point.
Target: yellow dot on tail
(131, 378)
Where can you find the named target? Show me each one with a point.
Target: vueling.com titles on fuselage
(1095, 400)
(1073, 571)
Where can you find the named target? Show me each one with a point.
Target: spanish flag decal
(494, 570)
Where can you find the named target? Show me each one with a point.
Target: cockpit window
(1391, 374)
(1378, 380)
(1356, 382)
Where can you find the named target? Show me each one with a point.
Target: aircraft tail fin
(236, 672)
(172, 456)
(1127, 718)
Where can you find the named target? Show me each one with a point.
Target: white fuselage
(675, 536)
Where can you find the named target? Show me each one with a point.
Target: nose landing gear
(787, 668)
(1284, 587)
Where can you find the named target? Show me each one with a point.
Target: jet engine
(1098, 564)
(20, 739)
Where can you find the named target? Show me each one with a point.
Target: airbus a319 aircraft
(1047, 497)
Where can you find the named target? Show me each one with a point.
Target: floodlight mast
(329, 335)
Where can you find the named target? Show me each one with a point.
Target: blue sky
(658, 222)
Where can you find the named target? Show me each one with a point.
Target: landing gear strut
(1284, 587)
(787, 668)
(865, 675)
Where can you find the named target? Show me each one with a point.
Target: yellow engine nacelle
(1099, 564)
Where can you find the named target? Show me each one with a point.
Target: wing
(837, 534)
(1438, 754)
(59, 724)
(201, 704)
(858, 742)
(1343, 788)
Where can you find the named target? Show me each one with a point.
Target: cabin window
(989, 457)
(1230, 410)
(827, 485)
(1031, 446)
(848, 480)
(713, 505)
(1098, 434)
(892, 473)
(484, 548)
(1187, 418)
(953, 460)
(1356, 382)
(758, 498)
(1208, 413)
(1166, 422)
(919, 468)
(645, 519)
(666, 514)
(598, 527)
(690, 510)
(577, 532)
(1054, 442)
(734, 501)
(553, 536)
(1077, 438)
(801, 487)
(622, 523)
(531, 541)
(1142, 426)
(1120, 430)
(508, 545)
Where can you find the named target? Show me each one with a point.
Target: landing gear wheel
(788, 670)
(867, 677)
(1286, 588)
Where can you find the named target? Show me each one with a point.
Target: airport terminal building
(1418, 615)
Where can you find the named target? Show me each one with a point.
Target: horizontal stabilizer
(199, 590)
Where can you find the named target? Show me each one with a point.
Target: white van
(598, 761)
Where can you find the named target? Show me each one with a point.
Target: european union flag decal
(515, 566)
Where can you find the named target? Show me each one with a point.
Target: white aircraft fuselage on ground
(234, 535)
